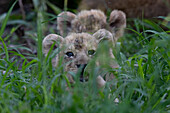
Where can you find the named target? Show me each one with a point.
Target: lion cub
(80, 36)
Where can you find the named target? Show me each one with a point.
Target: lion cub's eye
(69, 54)
(91, 52)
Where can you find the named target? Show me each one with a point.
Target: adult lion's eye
(69, 54)
(91, 52)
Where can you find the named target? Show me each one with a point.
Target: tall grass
(141, 82)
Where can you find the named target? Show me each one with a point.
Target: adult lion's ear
(49, 40)
(117, 22)
(104, 34)
(64, 21)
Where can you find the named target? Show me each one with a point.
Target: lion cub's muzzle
(81, 68)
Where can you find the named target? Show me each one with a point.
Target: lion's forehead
(89, 21)
(80, 41)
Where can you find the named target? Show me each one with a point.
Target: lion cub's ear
(64, 22)
(117, 22)
(49, 40)
(104, 34)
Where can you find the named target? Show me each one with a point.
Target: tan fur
(63, 22)
(89, 21)
(117, 22)
(84, 32)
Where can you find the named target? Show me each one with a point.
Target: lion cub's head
(80, 37)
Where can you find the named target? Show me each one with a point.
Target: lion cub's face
(79, 49)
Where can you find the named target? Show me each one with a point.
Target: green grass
(142, 82)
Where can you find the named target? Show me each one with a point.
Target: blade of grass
(6, 19)
(5, 48)
(6, 73)
(56, 10)
(24, 67)
(52, 46)
(140, 68)
(39, 34)
(65, 5)
(3, 28)
(45, 96)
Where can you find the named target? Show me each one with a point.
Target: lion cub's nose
(81, 65)
(78, 65)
